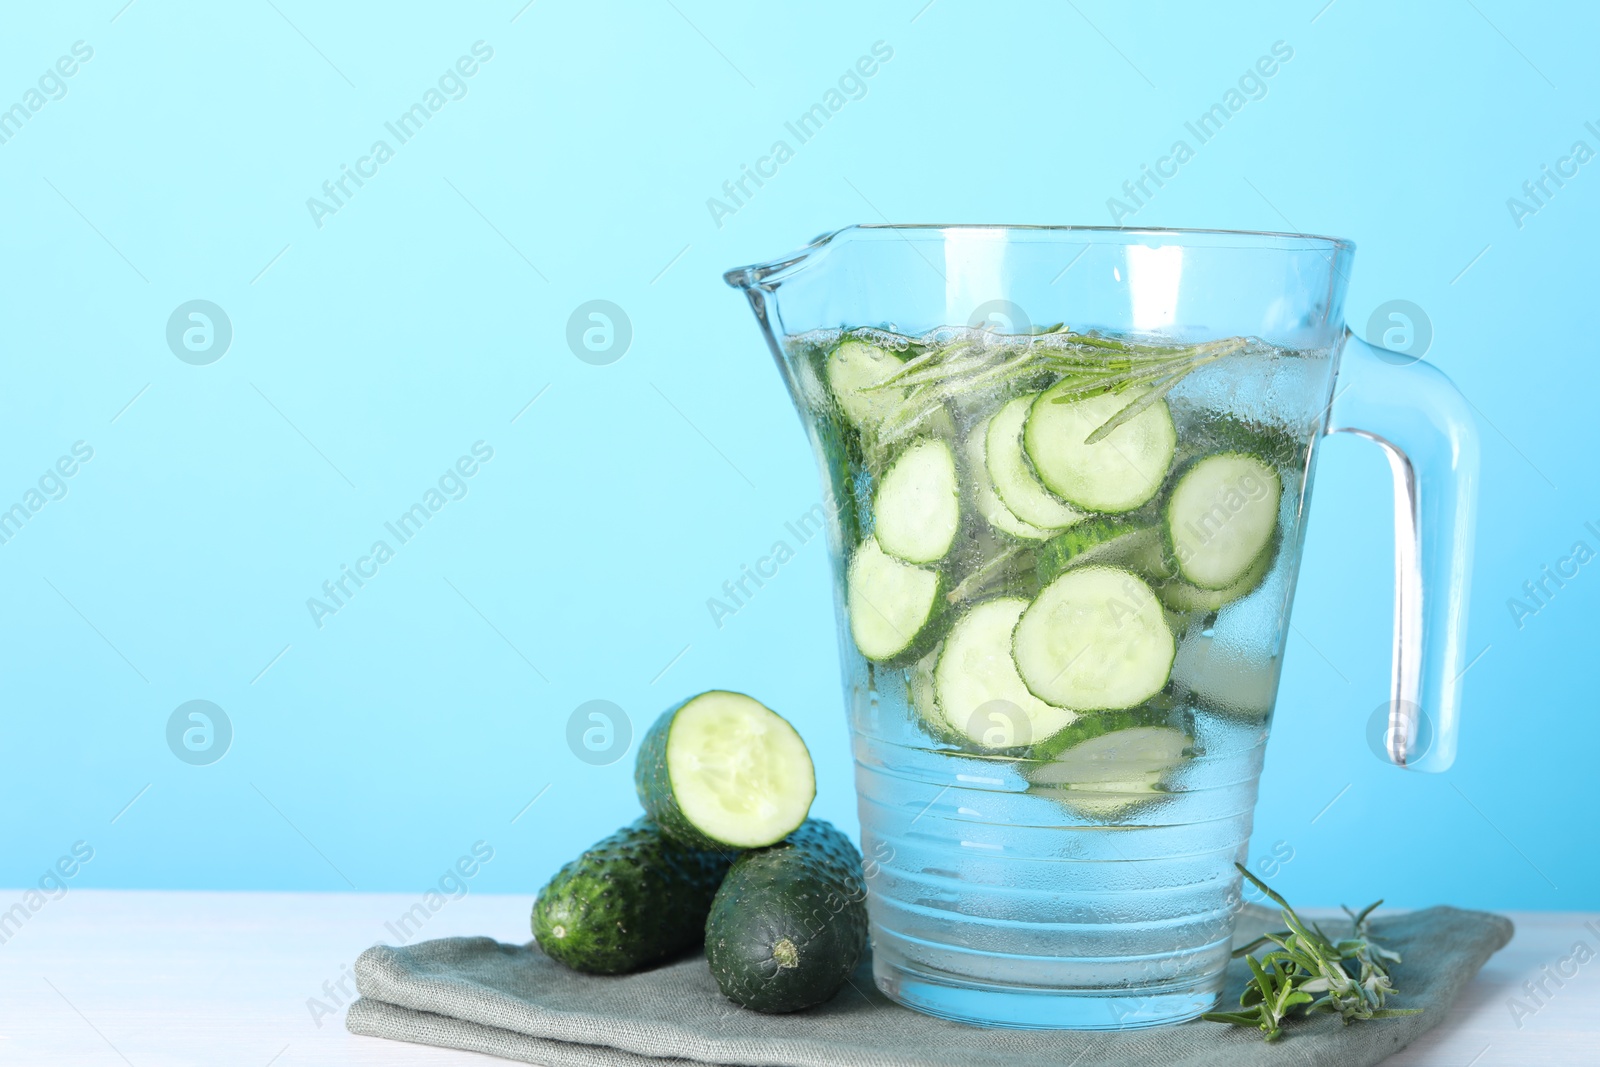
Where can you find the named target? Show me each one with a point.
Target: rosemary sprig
(1086, 363)
(1305, 963)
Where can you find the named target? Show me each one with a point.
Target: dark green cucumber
(789, 924)
(722, 770)
(632, 900)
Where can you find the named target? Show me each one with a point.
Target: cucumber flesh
(853, 368)
(989, 504)
(1187, 598)
(1008, 471)
(1115, 542)
(917, 508)
(979, 693)
(890, 601)
(1095, 638)
(1221, 516)
(1107, 775)
(1115, 474)
(722, 769)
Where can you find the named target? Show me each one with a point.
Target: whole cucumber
(631, 900)
(789, 924)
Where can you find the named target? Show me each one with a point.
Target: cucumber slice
(990, 506)
(723, 770)
(1110, 774)
(1115, 542)
(917, 508)
(1008, 471)
(1225, 678)
(853, 368)
(890, 601)
(1096, 637)
(978, 691)
(1221, 516)
(1186, 598)
(1115, 474)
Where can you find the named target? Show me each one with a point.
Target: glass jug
(1067, 469)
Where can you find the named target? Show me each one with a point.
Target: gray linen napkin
(512, 1001)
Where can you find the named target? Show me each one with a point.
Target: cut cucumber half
(917, 508)
(854, 367)
(990, 506)
(1114, 772)
(1008, 471)
(1115, 474)
(1187, 598)
(890, 601)
(976, 685)
(1115, 542)
(1221, 516)
(723, 770)
(1095, 638)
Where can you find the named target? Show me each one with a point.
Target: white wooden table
(162, 979)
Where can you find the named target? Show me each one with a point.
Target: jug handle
(1425, 427)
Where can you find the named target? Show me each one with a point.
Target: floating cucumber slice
(1221, 516)
(890, 601)
(1096, 637)
(1113, 772)
(1115, 474)
(1224, 678)
(1184, 597)
(979, 693)
(1008, 470)
(989, 504)
(722, 769)
(1116, 542)
(853, 368)
(917, 508)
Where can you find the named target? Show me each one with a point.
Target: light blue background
(428, 312)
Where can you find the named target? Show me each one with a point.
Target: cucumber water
(1064, 580)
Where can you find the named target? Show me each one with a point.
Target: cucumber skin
(810, 891)
(631, 900)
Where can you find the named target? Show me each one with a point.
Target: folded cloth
(512, 1001)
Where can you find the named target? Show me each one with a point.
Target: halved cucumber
(917, 508)
(1107, 775)
(979, 693)
(1221, 516)
(890, 601)
(1116, 542)
(1224, 677)
(1008, 470)
(723, 770)
(853, 368)
(989, 504)
(1095, 638)
(1115, 474)
(1185, 597)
